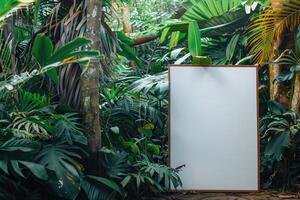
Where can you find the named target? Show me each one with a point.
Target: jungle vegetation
(84, 90)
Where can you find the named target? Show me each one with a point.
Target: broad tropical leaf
(200, 10)
(9, 6)
(275, 145)
(42, 49)
(17, 154)
(194, 39)
(69, 129)
(67, 54)
(62, 159)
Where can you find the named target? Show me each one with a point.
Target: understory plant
(280, 147)
(43, 144)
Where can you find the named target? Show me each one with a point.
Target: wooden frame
(258, 136)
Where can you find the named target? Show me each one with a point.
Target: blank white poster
(213, 127)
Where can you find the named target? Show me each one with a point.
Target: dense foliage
(44, 151)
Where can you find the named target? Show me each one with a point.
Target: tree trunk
(127, 28)
(144, 39)
(281, 91)
(274, 86)
(295, 105)
(90, 87)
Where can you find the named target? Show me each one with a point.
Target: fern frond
(270, 26)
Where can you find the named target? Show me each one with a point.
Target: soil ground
(265, 195)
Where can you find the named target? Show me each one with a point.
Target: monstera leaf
(15, 156)
(62, 159)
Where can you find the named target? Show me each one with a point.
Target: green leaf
(91, 53)
(66, 50)
(62, 159)
(36, 9)
(154, 148)
(164, 35)
(204, 60)
(112, 185)
(297, 42)
(116, 164)
(174, 54)
(285, 76)
(3, 166)
(276, 143)
(115, 130)
(36, 169)
(230, 50)
(145, 132)
(69, 129)
(8, 6)
(129, 53)
(276, 107)
(194, 39)
(183, 58)
(156, 68)
(124, 38)
(132, 146)
(174, 39)
(52, 74)
(16, 168)
(93, 191)
(42, 49)
(125, 181)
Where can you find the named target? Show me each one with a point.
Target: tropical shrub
(280, 145)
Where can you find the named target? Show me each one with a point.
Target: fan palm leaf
(216, 17)
(269, 27)
(207, 9)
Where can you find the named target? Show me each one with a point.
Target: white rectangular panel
(213, 126)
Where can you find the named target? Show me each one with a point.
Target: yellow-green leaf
(194, 39)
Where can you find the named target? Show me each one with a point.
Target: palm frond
(206, 9)
(93, 188)
(29, 101)
(270, 26)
